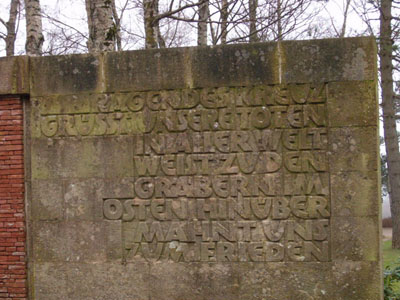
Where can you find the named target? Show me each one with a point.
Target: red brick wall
(12, 213)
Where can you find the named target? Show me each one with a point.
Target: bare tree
(224, 21)
(34, 32)
(152, 18)
(102, 30)
(203, 23)
(61, 37)
(169, 23)
(266, 20)
(253, 4)
(388, 36)
(285, 18)
(279, 20)
(117, 19)
(345, 16)
(159, 37)
(339, 29)
(11, 27)
(150, 8)
(389, 115)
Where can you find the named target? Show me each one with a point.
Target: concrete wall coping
(347, 59)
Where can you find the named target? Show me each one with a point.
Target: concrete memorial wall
(235, 172)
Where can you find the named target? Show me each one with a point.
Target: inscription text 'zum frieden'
(221, 174)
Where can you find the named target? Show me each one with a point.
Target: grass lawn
(390, 256)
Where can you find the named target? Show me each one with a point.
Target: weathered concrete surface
(14, 74)
(318, 61)
(234, 172)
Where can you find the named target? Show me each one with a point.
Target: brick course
(13, 273)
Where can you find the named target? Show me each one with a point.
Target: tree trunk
(34, 33)
(253, 19)
(150, 12)
(102, 30)
(117, 26)
(389, 121)
(345, 15)
(160, 39)
(156, 24)
(224, 21)
(279, 19)
(202, 24)
(11, 24)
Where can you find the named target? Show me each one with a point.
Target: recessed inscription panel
(220, 175)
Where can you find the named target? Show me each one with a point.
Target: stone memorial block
(234, 172)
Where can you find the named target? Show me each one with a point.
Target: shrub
(391, 282)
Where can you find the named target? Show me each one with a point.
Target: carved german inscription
(220, 174)
(192, 111)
